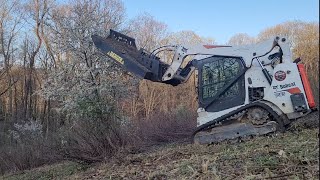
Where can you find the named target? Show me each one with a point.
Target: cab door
(221, 83)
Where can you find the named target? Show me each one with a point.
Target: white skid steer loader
(242, 90)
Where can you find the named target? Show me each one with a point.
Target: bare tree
(241, 39)
(37, 12)
(290, 29)
(10, 20)
(189, 38)
(147, 31)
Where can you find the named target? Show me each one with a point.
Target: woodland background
(60, 98)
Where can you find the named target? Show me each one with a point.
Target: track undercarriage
(253, 121)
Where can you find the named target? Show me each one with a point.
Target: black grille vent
(256, 93)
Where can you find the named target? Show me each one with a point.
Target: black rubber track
(212, 123)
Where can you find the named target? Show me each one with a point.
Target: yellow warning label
(116, 57)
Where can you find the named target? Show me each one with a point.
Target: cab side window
(217, 74)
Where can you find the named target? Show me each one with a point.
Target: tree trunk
(15, 117)
(48, 118)
(10, 103)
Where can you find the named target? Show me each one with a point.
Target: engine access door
(221, 82)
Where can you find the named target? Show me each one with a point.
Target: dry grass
(56, 171)
(293, 155)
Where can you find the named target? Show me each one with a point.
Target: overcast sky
(220, 19)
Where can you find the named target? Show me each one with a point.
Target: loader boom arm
(146, 65)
